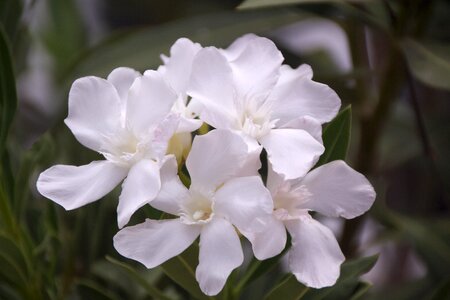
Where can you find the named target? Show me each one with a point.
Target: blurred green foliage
(398, 89)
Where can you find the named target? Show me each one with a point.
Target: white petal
(292, 152)
(245, 202)
(162, 134)
(268, 242)
(274, 180)
(139, 188)
(188, 125)
(315, 257)
(178, 65)
(220, 253)
(296, 96)
(256, 69)
(338, 191)
(72, 187)
(122, 78)
(308, 124)
(253, 162)
(211, 84)
(238, 46)
(94, 111)
(149, 101)
(154, 242)
(214, 158)
(288, 74)
(172, 192)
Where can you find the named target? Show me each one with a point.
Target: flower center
(124, 147)
(255, 119)
(198, 209)
(289, 201)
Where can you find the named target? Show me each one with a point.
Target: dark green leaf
(257, 268)
(336, 137)
(268, 3)
(92, 290)
(350, 273)
(8, 104)
(151, 290)
(442, 291)
(181, 269)
(431, 65)
(39, 153)
(64, 34)
(361, 291)
(8, 248)
(6, 292)
(8, 98)
(288, 289)
(141, 49)
(10, 12)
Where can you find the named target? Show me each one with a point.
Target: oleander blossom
(333, 190)
(246, 89)
(142, 123)
(225, 193)
(177, 71)
(127, 119)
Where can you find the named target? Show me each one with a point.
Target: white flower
(125, 118)
(215, 201)
(246, 89)
(334, 190)
(177, 71)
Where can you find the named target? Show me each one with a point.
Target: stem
(423, 135)
(371, 130)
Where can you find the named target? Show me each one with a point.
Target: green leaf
(40, 152)
(288, 289)
(248, 4)
(92, 290)
(429, 64)
(8, 98)
(151, 290)
(64, 35)
(141, 49)
(8, 104)
(257, 268)
(336, 137)
(442, 291)
(361, 291)
(350, 272)
(10, 12)
(181, 269)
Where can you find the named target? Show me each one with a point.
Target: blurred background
(389, 60)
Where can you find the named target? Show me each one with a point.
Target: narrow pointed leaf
(361, 291)
(288, 289)
(249, 4)
(350, 272)
(336, 137)
(181, 269)
(431, 65)
(151, 290)
(8, 97)
(148, 43)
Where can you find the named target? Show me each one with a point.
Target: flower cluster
(142, 125)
